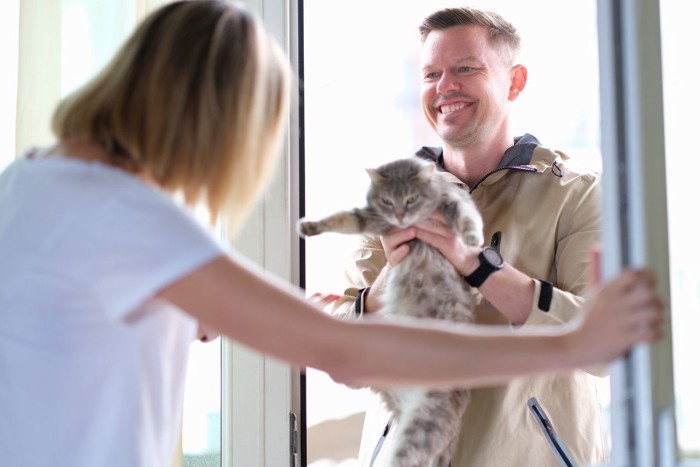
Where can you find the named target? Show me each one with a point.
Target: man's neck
(470, 164)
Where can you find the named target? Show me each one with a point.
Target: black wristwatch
(490, 261)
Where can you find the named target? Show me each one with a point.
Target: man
(541, 217)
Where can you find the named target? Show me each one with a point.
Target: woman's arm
(269, 315)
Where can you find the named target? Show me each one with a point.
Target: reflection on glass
(361, 88)
(681, 102)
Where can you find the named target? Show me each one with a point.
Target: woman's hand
(624, 312)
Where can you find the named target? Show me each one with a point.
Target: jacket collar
(518, 154)
(521, 151)
(517, 157)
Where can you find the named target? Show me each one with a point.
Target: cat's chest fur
(425, 285)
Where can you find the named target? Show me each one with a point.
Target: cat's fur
(424, 284)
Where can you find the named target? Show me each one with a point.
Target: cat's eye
(387, 202)
(411, 200)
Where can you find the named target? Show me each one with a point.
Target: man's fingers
(324, 298)
(395, 244)
(397, 236)
(397, 254)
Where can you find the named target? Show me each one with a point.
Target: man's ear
(518, 79)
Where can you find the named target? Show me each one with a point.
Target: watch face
(493, 257)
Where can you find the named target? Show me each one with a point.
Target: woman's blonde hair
(196, 98)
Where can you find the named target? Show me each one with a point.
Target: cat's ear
(375, 175)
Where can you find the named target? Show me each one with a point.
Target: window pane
(681, 102)
(9, 57)
(201, 418)
(201, 424)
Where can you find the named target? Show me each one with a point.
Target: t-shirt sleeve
(144, 244)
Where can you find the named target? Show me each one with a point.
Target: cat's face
(403, 191)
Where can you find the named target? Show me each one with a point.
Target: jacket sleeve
(365, 264)
(577, 230)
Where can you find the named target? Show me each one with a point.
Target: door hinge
(293, 440)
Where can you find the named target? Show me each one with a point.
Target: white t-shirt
(92, 367)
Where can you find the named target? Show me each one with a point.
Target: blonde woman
(106, 278)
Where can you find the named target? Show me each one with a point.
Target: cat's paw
(308, 228)
(474, 239)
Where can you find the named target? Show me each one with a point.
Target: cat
(425, 285)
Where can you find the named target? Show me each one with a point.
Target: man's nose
(447, 83)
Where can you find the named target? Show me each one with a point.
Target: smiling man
(541, 220)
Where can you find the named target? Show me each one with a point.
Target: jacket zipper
(522, 168)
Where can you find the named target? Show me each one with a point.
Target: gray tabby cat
(425, 285)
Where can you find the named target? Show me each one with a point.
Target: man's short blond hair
(501, 32)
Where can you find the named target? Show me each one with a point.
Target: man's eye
(432, 75)
(465, 69)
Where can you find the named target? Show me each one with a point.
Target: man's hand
(434, 231)
(396, 248)
(439, 234)
(395, 244)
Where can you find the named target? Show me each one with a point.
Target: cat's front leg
(345, 222)
(306, 228)
(462, 213)
(470, 226)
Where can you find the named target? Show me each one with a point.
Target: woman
(106, 276)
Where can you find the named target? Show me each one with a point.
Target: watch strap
(485, 269)
(479, 276)
(359, 304)
(546, 293)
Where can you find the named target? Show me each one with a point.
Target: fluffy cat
(424, 284)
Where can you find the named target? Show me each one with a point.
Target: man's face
(466, 85)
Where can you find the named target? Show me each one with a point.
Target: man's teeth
(446, 109)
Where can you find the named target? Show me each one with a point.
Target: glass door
(649, 104)
(361, 108)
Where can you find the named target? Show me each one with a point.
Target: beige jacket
(548, 217)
